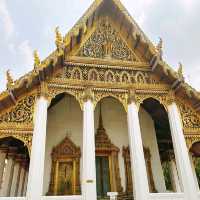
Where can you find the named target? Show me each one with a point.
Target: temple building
(102, 117)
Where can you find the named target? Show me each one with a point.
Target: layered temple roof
(142, 53)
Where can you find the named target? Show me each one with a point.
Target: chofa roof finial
(159, 48)
(10, 81)
(59, 38)
(180, 70)
(36, 59)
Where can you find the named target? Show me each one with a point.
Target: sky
(29, 25)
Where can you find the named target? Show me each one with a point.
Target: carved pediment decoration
(106, 75)
(65, 169)
(66, 149)
(106, 42)
(190, 118)
(21, 113)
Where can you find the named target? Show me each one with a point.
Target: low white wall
(62, 197)
(167, 196)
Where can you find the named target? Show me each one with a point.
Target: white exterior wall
(66, 117)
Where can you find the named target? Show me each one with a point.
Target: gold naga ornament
(180, 71)
(159, 48)
(59, 41)
(37, 61)
(10, 81)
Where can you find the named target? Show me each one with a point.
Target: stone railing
(167, 196)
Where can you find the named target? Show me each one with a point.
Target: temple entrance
(65, 178)
(65, 169)
(107, 162)
(102, 176)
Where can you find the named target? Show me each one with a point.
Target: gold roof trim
(168, 71)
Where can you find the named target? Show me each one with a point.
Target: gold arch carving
(25, 138)
(120, 97)
(77, 94)
(125, 77)
(75, 75)
(140, 77)
(91, 76)
(163, 98)
(190, 140)
(110, 76)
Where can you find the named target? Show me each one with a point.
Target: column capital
(88, 94)
(170, 98)
(131, 96)
(43, 91)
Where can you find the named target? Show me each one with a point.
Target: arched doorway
(63, 147)
(14, 166)
(156, 135)
(110, 136)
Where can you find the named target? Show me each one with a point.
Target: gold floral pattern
(104, 74)
(105, 42)
(21, 113)
(190, 118)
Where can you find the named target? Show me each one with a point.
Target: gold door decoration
(104, 147)
(128, 171)
(65, 171)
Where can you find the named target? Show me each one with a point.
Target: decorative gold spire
(59, 38)
(36, 59)
(100, 119)
(180, 70)
(159, 48)
(10, 81)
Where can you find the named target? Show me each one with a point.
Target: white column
(174, 176)
(3, 153)
(25, 164)
(36, 171)
(8, 175)
(25, 183)
(181, 153)
(139, 173)
(192, 161)
(21, 179)
(15, 179)
(89, 166)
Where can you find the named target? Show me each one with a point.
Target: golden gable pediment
(106, 42)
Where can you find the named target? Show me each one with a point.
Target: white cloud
(188, 3)
(6, 19)
(26, 53)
